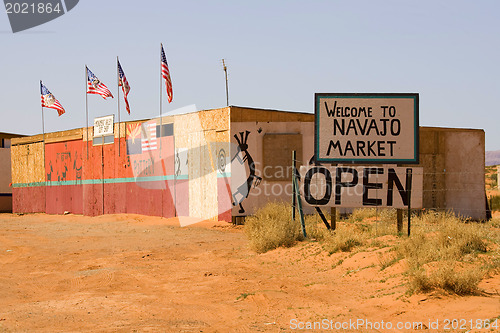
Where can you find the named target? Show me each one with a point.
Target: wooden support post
(399, 213)
(333, 218)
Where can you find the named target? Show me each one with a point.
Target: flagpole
(87, 109)
(118, 100)
(161, 119)
(43, 119)
(43, 144)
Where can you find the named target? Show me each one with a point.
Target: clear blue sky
(279, 53)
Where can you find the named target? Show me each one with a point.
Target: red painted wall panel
(28, 199)
(63, 161)
(143, 200)
(64, 198)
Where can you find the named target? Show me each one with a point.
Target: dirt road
(133, 273)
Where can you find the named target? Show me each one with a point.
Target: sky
(278, 53)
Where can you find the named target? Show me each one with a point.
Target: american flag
(95, 86)
(166, 75)
(149, 136)
(122, 82)
(49, 101)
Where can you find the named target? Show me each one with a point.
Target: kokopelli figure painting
(243, 156)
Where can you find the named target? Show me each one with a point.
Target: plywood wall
(28, 163)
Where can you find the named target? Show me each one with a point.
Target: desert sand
(130, 273)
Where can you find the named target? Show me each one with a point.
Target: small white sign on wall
(103, 126)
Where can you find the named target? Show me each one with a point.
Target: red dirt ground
(123, 273)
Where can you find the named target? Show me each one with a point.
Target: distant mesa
(492, 157)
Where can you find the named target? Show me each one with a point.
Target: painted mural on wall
(63, 162)
(241, 186)
(150, 151)
(157, 155)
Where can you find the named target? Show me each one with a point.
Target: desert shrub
(440, 241)
(495, 222)
(436, 218)
(360, 214)
(344, 239)
(315, 228)
(447, 277)
(347, 235)
(387, 260)
(495, 202)
(418, 249)
(461, 238)
(383, 227)
(272, 227)
(494, 180)
(388, 215)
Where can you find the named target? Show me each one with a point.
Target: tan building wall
(5, 180)
(452, 161)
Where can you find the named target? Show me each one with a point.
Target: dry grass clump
(272, 227)
(382, 214)
(495, 223)
(444, 252)
(361, 214)
(438, 244)
(374, 222)
(447, 276)
(315, 228)
(354, 231)
(344, 239)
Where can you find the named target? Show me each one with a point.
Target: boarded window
(277, 150)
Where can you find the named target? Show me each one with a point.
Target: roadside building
(213, 164)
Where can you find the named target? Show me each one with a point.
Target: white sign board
(357, 187)
(366, 128)
(103, 126)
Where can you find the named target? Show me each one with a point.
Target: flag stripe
(49, 100)
(95, 86)
(149, 141)
(166, 75)
(122, 82)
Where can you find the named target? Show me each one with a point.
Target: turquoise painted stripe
(111, 180)
(34, 184)
(100, 181)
